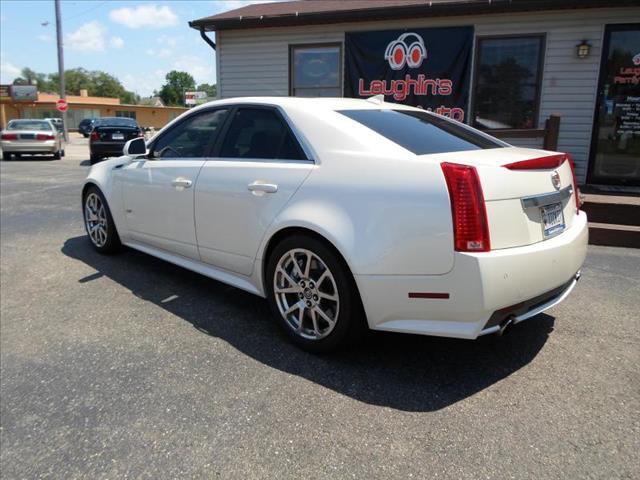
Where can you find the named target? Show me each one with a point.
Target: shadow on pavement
(405, 372)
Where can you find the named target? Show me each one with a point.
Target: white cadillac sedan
(349, 213)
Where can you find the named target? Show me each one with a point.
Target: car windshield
(116, 122)
(29, 125)
(422, 133)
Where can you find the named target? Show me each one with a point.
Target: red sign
(62, 105)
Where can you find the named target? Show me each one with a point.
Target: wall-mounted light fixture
(582, 49)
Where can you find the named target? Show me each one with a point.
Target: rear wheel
(93, 159)
(57, 155)
(98, 222)
(313, 294)
(6, 156)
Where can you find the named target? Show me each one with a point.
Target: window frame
(127, 114)
(215, 151)
(542, 36)
(294, 46)
(208, 151)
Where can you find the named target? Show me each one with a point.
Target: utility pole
(63, 94)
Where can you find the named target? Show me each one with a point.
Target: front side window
(507, 84)
(260, 133)
(192, 137)
(421, 133)
(315, 71)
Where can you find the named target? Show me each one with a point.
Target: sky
(138, 42)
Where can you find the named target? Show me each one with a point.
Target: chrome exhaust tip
(504, 325)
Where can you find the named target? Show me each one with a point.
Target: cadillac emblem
(555, 180)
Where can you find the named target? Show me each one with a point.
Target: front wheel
(98, 222)
(313, 294)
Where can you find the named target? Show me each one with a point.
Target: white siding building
(596, 94)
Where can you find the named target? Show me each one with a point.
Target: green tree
(97, 83)
(209, 88)
(172, 92)
(30, 77)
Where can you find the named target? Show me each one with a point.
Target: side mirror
(134, 147)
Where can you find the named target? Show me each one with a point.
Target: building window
(126, 113)
(507, 82)
(315, 70)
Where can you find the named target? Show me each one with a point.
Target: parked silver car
(31, 137)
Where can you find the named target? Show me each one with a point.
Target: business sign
(4, 92)
(423, 67)
(24, 93)
(194, 98)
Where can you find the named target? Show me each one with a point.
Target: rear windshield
(420, 132)
(29, 125)
(115, 122)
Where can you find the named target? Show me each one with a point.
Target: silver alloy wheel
(95, 217)
(306, 294)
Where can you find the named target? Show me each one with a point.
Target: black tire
(350, 322)
(62, 153)
(57, 156)
(93, 159)
(85, 135)
(112, 243)
(6, 156)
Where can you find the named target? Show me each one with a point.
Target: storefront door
(615, 148)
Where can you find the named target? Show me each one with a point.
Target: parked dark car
(85, 126)
(109, 135)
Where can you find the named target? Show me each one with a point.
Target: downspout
(211, 43)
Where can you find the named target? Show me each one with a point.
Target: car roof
(318, 104)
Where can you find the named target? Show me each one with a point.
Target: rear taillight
(9, 136)
(542, 163)
(576, 190)
(44, 136)
(470, 226)
(94, 136)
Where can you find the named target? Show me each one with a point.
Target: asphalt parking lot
(128, 367)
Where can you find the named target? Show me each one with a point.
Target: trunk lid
(524, 206)
(118, 134)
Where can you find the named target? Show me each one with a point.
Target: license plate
(117, 136)
(552, 219)
(27, 136)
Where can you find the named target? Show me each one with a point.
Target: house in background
(505, 66)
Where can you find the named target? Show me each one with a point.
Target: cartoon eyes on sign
(402, 51)
(636, 59)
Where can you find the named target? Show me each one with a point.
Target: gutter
(428, 9)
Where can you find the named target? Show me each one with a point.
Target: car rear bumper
(21, 146)
(112, 149)
(469, 300)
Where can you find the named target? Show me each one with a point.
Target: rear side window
(420, 132)
(260, 133)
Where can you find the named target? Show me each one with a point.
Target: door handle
(181, 182)
(259, 186)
